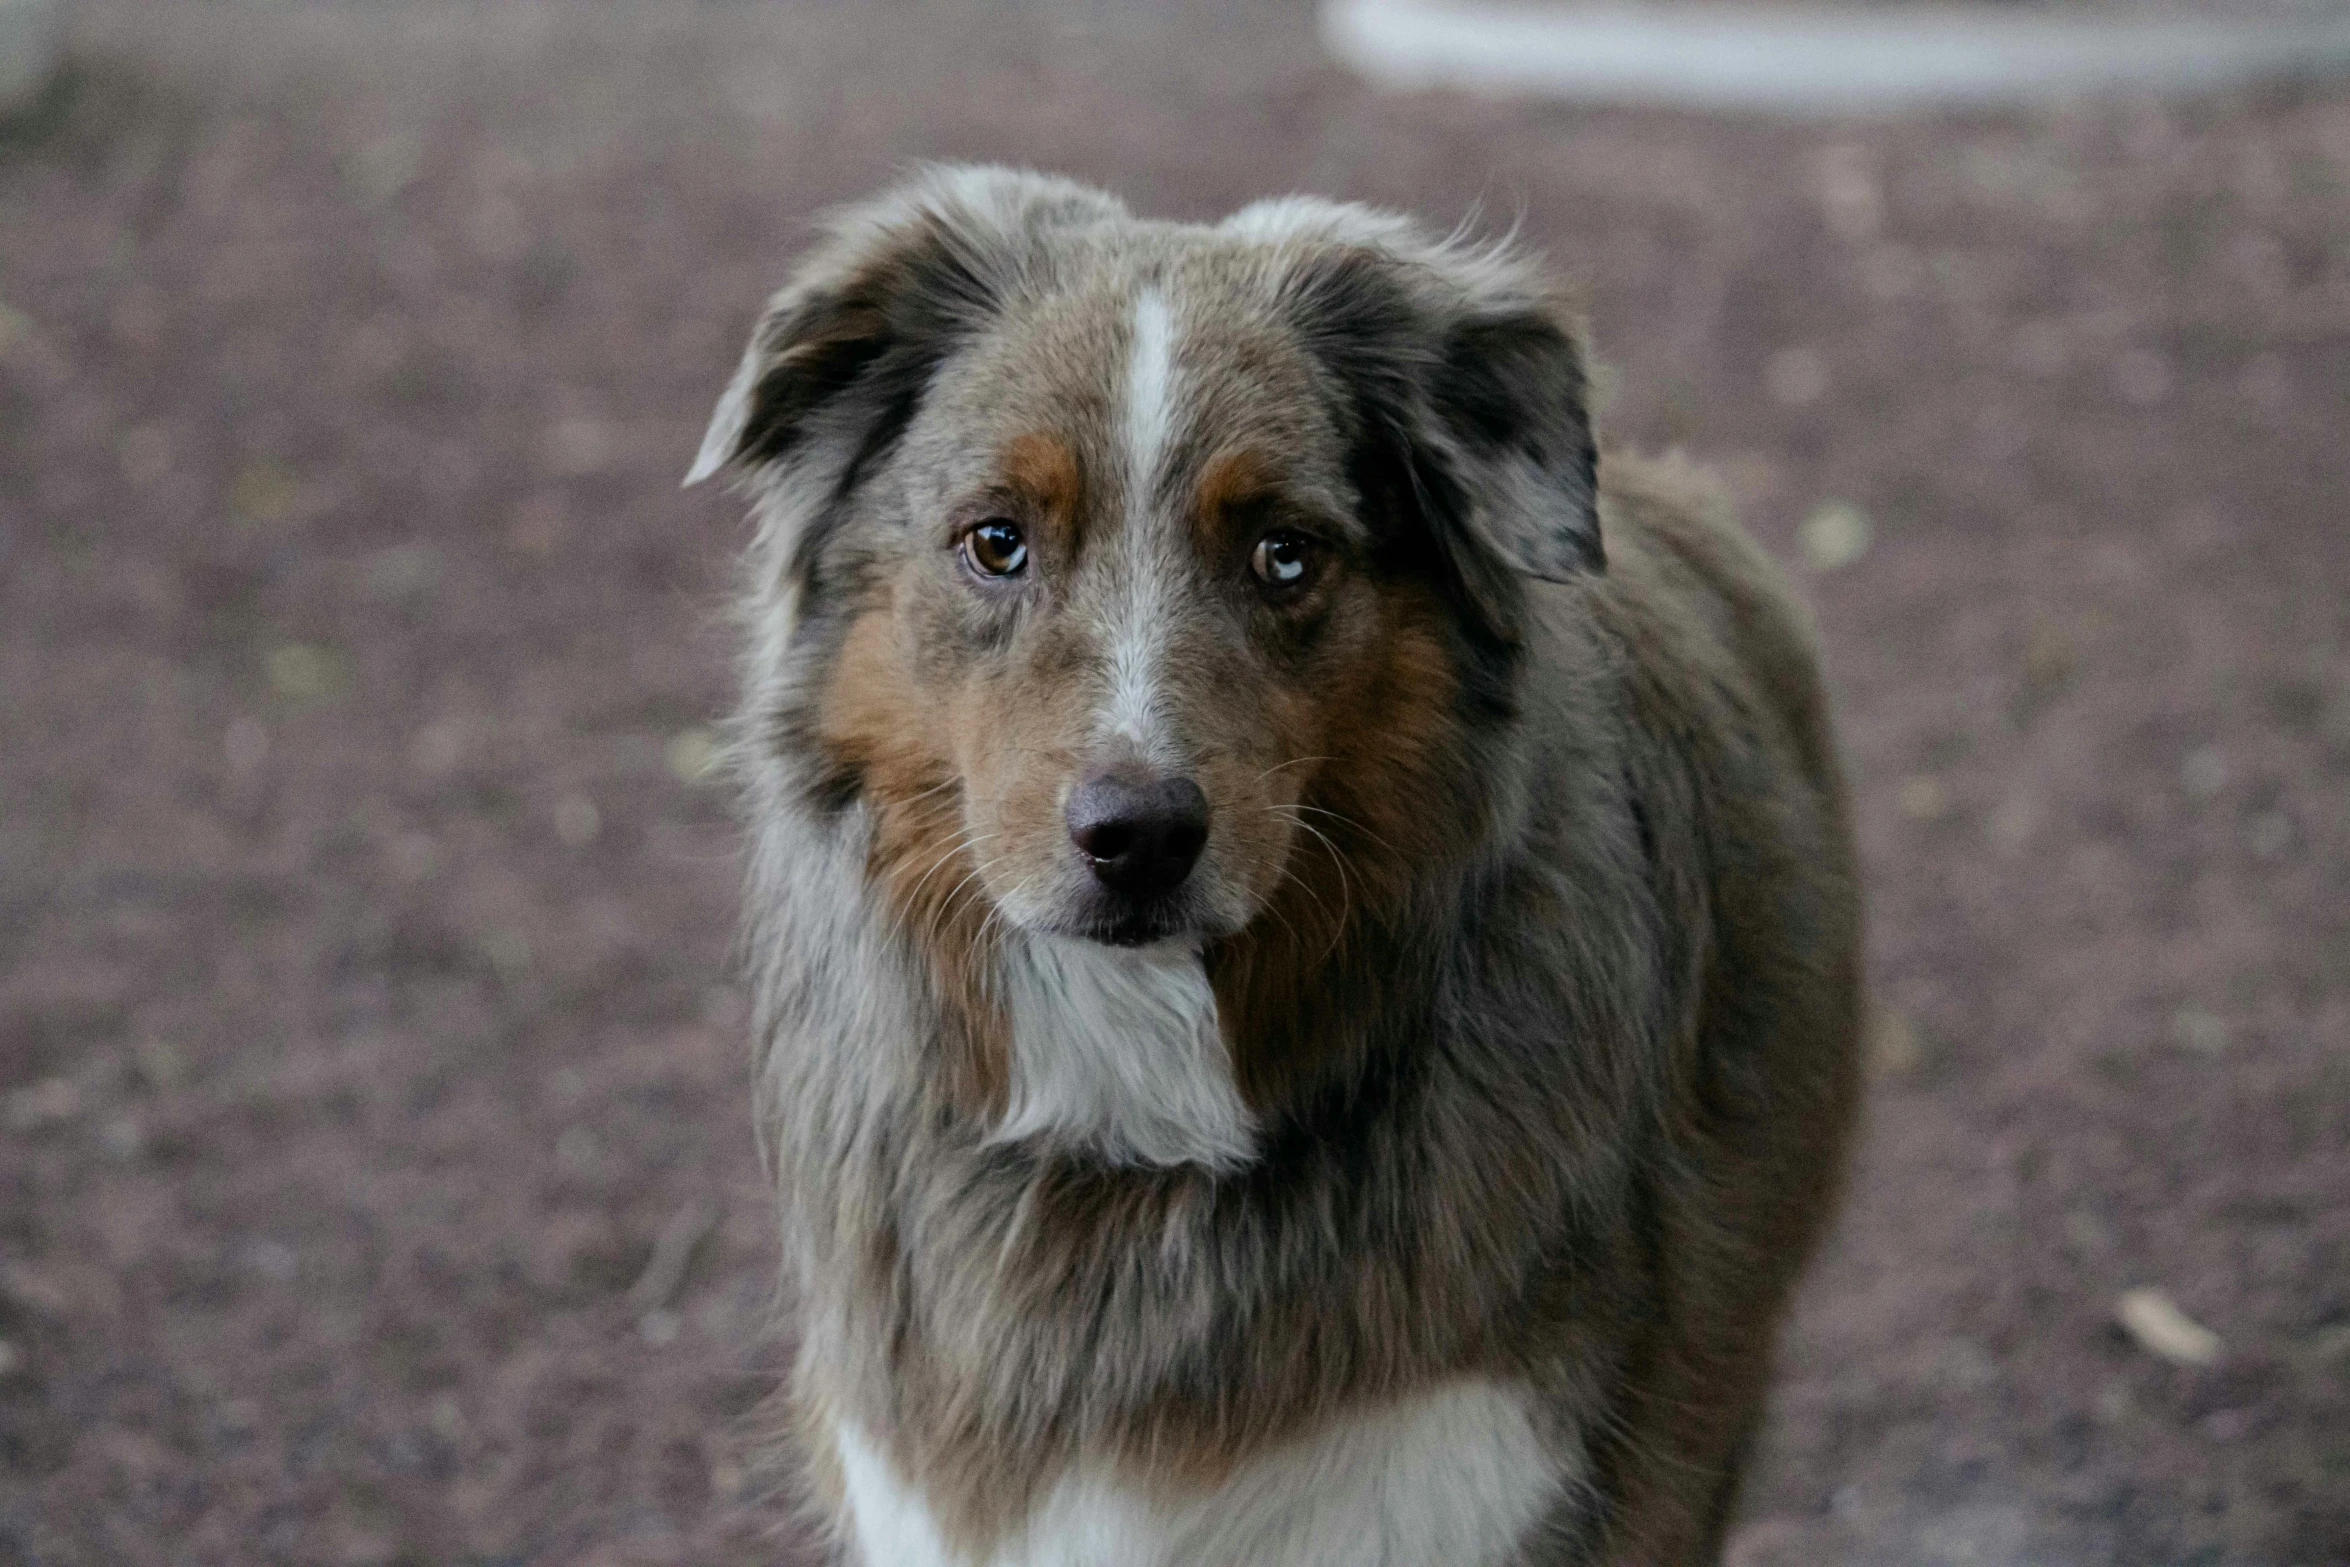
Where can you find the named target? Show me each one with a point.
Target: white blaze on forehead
(1150, 391)
(1138, 635)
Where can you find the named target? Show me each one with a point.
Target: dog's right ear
(838, 363)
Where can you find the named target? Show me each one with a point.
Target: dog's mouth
(1135, 930)
(1121, 922)
(1126, 922)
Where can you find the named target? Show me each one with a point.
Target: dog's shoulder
(1713, 632)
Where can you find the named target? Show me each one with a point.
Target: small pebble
(162, 1064)
(577, 821)
(2160, 1328)
(2087, 1234)
(438, 747)
(302, 673)
(2269, 834)
(272, 1260)
(263, 492)
(2226, 1425)
(1796, 377)
(1895, 1050)
(509, 953)
(694, 756)
(2203, 1032)
(2204, 773)
(30, 1289)
(124, 1139)
(1924, 798)
(2012, 825)
(401, 571)
(47, 1103)
(1834, 536)
(383, 167)
(577, 447)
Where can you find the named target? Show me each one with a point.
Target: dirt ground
(376, 1178)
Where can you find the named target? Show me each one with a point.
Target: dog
(1304, 927)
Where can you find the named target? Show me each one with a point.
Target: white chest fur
(1119, 1052)
(1457, 1475)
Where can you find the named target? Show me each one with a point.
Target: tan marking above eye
(1042, 471)
(1230, 486)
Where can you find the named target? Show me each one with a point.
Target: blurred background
(376, 1174)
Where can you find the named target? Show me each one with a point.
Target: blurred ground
(365, 1025)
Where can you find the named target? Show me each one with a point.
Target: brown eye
(996, 548)
(1283, 560)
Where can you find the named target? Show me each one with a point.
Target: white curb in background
(1822, 59)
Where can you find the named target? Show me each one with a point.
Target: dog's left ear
(1462, 377)
(843, 354)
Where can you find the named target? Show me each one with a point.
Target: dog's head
(1140, 578)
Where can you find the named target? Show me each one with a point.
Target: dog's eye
(996, 548)
(1283, 560)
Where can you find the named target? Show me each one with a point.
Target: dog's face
(1125, 604)
(1138, 572)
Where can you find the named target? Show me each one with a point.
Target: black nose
(1141, 832)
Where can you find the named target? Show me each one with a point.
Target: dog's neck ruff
(1118, 1053)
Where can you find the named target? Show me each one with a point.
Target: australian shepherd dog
(1305, 931)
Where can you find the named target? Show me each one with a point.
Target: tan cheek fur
(962, 784)
(1373, 801)
(1254, 769)
(885, 725)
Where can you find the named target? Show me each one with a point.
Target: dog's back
(1305, 929)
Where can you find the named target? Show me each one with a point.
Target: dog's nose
(1141, 832)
